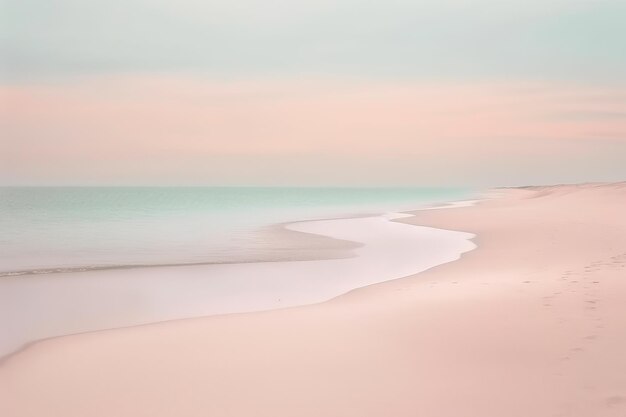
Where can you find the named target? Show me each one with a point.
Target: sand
(40, 306)
(530, 324)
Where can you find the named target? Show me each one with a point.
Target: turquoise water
(44, 229)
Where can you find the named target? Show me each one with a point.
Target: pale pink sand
(531, 324)
(36, 307)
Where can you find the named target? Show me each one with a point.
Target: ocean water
(53, 229)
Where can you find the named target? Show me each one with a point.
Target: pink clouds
(126, 122)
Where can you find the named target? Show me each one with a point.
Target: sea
(64, 229)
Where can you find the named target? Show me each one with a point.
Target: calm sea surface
(45, 229)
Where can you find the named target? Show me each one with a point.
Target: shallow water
(34, 307)
(52, 229)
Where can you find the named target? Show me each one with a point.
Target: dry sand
(531, 324)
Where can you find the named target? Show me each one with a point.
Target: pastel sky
(341, 92)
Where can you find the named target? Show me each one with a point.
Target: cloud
(155, 129)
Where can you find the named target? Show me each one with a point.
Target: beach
(530, 323)
(351, 253)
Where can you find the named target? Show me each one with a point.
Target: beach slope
(530, 324)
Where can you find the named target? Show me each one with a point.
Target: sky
(341, 92)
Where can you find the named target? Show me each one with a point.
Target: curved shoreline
(530, 324)
(330, 248)
(155, 294)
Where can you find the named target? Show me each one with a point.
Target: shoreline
(309, 246)
(178, 226)
(154, 294)
(529, 324)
